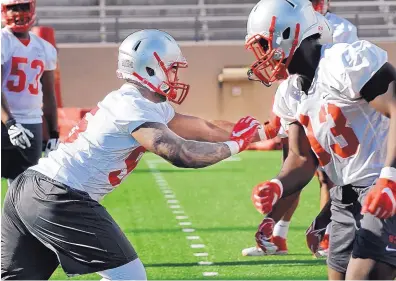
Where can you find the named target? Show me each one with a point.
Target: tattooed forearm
(189, 154)
(181, 152)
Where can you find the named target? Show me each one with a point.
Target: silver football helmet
(275, 29)
(152, 57)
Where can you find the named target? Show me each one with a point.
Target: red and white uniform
(343, 32)
(23, 66)
(348, 136)
(100, 152)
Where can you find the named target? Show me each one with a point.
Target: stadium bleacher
(83, 21)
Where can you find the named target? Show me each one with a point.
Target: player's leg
(90, 240)
(16, 160)
(281, 228)
(22, 255)
(267, 227)
(325, 185)
(133, 270)
(375, 243)
(343, 230)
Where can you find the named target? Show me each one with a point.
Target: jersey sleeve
(345, 33)
(362, 60)
(168, 111)
(5, 48)
(282, 103)
(51, 56)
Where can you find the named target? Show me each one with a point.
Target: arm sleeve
(362, 60)
(52, 57)
(5, 49)
(281, 107)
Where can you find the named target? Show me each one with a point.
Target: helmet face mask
(271, 63)
(18, 15)
(275, 30)
(153, 59)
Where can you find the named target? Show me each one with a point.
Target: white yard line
(177, 210)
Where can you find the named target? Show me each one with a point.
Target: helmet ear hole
(137, 46)
(286, 33)
(150, 71)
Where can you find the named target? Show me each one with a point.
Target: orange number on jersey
(17, 70)
(131, 162)
(323, 157)
(340, 129)
(80, 127)
(33, 88)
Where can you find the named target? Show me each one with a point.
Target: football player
(273, 230)
(52, 213)
(345, 112)
(27, 66)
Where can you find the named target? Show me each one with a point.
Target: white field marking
(181, 217)
(173, 204)
(205, 263)
(192, 237)
(188, 230)
(197, 246)
(208, 274)
(201, 254)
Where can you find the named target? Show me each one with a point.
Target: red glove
(264, 235)
(380, 200)
(266, 194)
(242, 134)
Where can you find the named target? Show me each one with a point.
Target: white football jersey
(23, 65)
(348, 136)
(100, 151)
(343, 30)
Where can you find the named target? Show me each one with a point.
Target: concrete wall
(88, 74)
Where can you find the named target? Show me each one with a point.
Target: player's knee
(133, 270)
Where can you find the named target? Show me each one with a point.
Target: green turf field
(216, 201)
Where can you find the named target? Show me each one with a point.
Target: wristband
(262, 135)
(233, 146)
(278, 182)
(9, 123)
(388, 173)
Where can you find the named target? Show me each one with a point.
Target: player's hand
(19, 136)
(266, 194)
(243, 132)
(264, 235)
(51, 145)
(380, 200)
(314, 236)
(270, 130)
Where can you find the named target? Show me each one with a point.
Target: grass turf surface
(217, 203)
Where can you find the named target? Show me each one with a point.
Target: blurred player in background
(343, 109)
(275, 227)
(52, 212)
(27, 89)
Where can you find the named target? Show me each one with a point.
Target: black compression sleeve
(379, 83)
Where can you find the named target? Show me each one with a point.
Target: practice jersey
(100, 151)
(23, 65)
(343, 30)
(348, 136)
